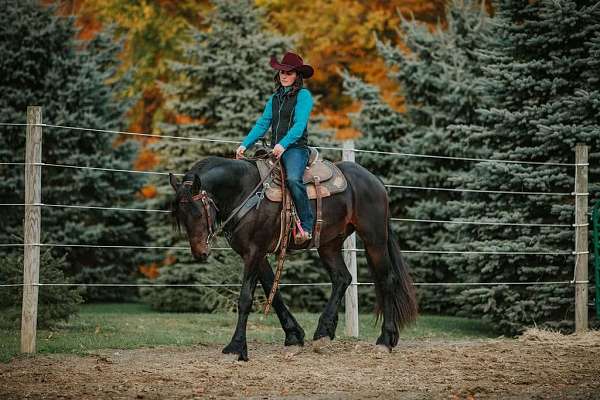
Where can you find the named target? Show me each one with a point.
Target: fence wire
(364, 151)
(227, 141)
(286, 284)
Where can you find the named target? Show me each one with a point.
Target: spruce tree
(76, 84)
(436, 75)
(382, 129)
(224, 83)
(541, 76)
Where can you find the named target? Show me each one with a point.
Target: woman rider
(287, 113)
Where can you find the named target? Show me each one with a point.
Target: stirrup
(302, 238)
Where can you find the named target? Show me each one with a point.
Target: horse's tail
(398, 286)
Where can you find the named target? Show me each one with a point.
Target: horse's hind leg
(331, 256)
(393, 286)
(294, 334)
(394, 291)
(378, 261)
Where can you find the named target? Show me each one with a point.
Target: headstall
(207, 202)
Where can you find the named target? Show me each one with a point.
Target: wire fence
(364, 151)
(228, 141)
(358, 250)
(226, 285)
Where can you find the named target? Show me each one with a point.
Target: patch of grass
(127, 326)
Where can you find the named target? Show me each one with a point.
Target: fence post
(581, 238)
(31, 256)
(351, 297)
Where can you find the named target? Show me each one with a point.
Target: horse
(214, 187)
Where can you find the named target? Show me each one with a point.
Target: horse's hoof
(382, 349)
(321, 344)
(291, 351)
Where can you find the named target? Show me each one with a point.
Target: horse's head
(196, 211)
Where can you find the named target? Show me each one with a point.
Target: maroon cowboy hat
(293, 61)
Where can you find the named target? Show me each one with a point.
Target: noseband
(207, 202)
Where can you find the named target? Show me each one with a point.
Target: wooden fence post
(31, 260)
(581, 238)
(351, 297)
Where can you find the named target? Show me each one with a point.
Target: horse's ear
(173, 181)
(196, 185)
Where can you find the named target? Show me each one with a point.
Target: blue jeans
(294, 161)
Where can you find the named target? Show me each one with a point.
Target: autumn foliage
(331, 35)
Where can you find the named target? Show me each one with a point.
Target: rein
(238, 208)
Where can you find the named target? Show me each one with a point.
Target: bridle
(207, 203)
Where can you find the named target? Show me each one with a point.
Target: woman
(287, 113)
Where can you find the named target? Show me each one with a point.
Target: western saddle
(322, 179)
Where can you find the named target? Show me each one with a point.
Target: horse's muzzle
(200, 256)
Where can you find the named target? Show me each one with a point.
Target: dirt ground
(539, 365)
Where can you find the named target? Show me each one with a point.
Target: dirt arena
(539, 365)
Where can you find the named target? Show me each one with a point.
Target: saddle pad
(334, 182)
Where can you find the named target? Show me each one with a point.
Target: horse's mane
(197, 170)
(206, 164)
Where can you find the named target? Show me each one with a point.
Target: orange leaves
(149, 192)
(331, 35)
(146, 160)
(150, 271)
(334, 35)
(339, 121)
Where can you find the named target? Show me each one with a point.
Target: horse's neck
(230, 184)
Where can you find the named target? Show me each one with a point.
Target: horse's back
(360, 178)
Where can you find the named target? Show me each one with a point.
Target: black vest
(283, 118)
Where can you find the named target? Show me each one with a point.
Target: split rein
(208, 202)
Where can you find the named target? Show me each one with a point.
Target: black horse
(215, 186)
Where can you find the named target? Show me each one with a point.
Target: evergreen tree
(541, 75)
(436, 75)
(383, 129)
(56, 303)
(76, 84)
(224, 83)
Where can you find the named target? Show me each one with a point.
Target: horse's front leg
(294, 334)
(238, 343)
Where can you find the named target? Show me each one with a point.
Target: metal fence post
(351, 297)
(581, 238)
(31, 255)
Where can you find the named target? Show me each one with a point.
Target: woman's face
(287, 78)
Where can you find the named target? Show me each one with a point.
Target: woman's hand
(239, 153)
(278, 150)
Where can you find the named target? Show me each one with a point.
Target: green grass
(127, 326)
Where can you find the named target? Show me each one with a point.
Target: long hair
(296, 86)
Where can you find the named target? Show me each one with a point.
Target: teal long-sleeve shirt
(304, 104)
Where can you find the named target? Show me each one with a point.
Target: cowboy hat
(290, 62)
